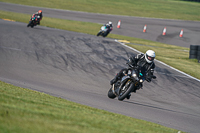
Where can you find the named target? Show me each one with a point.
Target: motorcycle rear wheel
(105, 34)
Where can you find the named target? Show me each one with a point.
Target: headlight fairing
(134, 75)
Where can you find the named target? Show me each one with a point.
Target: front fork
(124, 83)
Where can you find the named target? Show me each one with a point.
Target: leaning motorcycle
(129, 83)
(33, 21)
(104, 31)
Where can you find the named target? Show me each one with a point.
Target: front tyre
(29, 23)
(98, 34)
(125, 91)
(110, 94)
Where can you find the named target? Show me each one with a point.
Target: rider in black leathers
(141, 60)
(39, 16)
(39, 13)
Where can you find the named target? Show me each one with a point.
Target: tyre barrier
(194, 52)
(198, 54)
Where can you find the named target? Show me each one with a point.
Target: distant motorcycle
(129, 83)
(104, 31)
(33, 21)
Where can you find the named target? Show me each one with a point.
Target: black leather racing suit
(140, 61)
(38, 22)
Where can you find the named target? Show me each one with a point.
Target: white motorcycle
(104, 31)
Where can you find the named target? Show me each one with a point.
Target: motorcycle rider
(39, 16)
(109, 26)
(141, 60)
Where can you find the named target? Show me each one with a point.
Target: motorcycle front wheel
(125, 90)
(29, 24)
(98, 34)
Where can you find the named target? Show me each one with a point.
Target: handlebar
(130, 65)
(136, 67)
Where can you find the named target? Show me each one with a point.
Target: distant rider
(145, 61)
(109, 26)
(39, 16)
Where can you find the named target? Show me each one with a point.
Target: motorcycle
(104, 31)
(129, 83)
(33, 21)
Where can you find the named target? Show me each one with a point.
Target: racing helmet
(110, 23)
(150, 55)
(40, 12)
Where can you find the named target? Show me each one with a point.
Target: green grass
(171, 9)
(26, 111)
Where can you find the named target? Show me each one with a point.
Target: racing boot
(118, 76)
(113, 81)
(128, 97)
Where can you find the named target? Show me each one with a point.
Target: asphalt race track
(130, 26)
(78, 67)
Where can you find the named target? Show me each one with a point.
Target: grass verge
(171, 9)
(177, 57)
(26, 111)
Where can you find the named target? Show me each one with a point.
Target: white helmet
(150, 55)
(109, 22)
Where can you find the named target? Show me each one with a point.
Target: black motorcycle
(104, 31)
(33, 21)
(129, 83)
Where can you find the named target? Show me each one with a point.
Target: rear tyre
(110, 94)
(98, 34)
